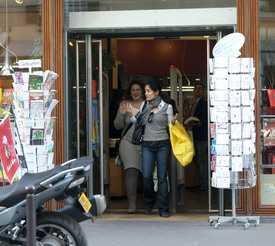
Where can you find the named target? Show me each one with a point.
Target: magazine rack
(232, 130)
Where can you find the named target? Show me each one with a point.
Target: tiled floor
(195, 201)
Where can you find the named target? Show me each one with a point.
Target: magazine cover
(7, 151)
(35, 82)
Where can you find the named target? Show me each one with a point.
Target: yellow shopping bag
(182, 145)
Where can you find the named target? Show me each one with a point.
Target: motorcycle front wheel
(57, 229)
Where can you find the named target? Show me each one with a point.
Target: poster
(269, 126)
(7, 151)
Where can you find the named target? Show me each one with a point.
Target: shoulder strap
(126, 130)
(144, 105)
(130, 125)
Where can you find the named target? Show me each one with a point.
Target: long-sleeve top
(157, 129)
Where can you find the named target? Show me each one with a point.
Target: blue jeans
(152, 152)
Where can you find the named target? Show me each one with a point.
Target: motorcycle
(63, 183)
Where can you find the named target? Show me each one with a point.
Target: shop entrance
(91, 119)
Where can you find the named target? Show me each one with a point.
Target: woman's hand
(129, 109)
(122, 107)
(173, 119)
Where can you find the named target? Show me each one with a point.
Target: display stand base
(247, 220)
(234, 219)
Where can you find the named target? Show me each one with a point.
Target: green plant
(37, 52)
(108, 60)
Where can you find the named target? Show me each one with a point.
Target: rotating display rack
(232, 128)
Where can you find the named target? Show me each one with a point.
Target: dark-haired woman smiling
(130, 154)
(155, 148)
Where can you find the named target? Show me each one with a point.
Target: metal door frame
(177, 171)
(89, 90)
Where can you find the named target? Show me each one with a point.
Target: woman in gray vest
(155, 148)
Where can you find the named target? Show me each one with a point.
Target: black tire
(57, 229)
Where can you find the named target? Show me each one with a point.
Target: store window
(267, 101)
(107, 5)
(20, 33)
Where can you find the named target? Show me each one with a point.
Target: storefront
(74, 33)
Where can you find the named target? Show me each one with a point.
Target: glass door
(85, 106)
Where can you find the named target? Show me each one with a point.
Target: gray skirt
(130, 154)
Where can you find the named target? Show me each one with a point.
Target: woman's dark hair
(134, 82)
(155, 86)
(166, 98)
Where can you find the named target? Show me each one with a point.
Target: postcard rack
(33, 101)
(232, 129)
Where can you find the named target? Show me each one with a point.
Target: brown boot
(132, 208)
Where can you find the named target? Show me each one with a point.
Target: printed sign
(29, 63)
(7, 151)
(229, 46)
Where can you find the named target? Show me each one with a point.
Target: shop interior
(149, 58)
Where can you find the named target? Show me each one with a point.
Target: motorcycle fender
(76, 211)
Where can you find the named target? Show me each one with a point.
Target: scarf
(146, 110)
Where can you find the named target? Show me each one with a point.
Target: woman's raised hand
(129, 109)
(122, 107)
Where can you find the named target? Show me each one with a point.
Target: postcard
(222, 172)
(222, 128)
(246, 114)
(222, 117)
(222, 161)
(237, 164)
(222, 138)
(245, 98)
(220, 62)
(236, 147)
(235, 98)
(234, 65)
(222, 149)
(221, 84)
(236, 131)
(234, 81)
(235, 113)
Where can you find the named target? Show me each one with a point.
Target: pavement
(122, 229)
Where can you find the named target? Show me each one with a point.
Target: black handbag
(139, 129)
(138, 134)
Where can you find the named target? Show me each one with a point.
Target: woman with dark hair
(130, 154)
(156, 116)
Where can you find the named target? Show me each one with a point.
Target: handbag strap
(127, 129)
(130, 125)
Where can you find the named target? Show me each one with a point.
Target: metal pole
(221, 191)
(234, 203)
(89, 109)
(31, 216)
(101, 118)
(77, 101)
